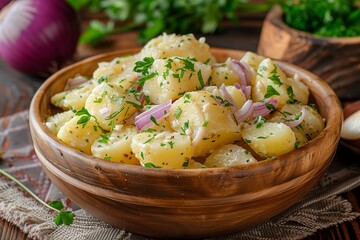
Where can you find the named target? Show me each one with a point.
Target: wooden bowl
(336, 60)
(178, 203)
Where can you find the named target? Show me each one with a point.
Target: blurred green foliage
(330, 18)
(153, 17)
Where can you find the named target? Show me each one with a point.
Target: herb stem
(6, 174)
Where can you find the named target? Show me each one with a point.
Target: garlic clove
(351, 127)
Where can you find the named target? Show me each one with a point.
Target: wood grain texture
(184, 203)
(336, 60)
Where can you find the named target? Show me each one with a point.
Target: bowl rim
(275, 16)
(35, 121)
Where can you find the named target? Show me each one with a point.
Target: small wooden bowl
(336, 60)
(181, 203)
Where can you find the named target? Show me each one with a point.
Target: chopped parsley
(270, 91)
(151, 165)
(275, 77)
(153, 119)
(259, 121)
(290, 93)
(138, 106)
(177, 112)
(144, 66)
(247, 140)
(184, 127)
(205, 123)
(114, 114)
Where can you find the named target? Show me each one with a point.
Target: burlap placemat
(321, 208)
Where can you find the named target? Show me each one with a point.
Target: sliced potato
(223, 74)
(175, 76)
(163, 150)
(270, 83)
(79, 134)
(269, 140)
(54, 123)
(252, 59)
(74, 98)
(116, 147)
(209, 124)
(310, 127)
(229, 155)
(166, 46)
(110, 105)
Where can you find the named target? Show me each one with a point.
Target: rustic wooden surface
(336, 60)
(16, 91)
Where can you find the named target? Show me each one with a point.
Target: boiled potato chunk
(209, 124)
(74, 98)
(229, 155)
(252, 59)
(166, 46)
(54, 123)
(297, 91)
(163, 150)
(116, 147)
(110, 105)
(269, 140)
(223, 74)
(175, 76)
(118, 72)
(79, 135)
(270, 83)
(310, 127)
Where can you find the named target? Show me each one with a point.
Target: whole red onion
(38, 37)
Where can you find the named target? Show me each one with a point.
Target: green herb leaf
(114, 114)
(64, 217)
(57, 204)
(151, 165)
(270, 91)
(177, 112)
(144, 66)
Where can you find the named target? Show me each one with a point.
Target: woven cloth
(321, 208)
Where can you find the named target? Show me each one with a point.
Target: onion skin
(3, 3)
(48, 39)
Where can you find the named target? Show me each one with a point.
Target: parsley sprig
(63, 216)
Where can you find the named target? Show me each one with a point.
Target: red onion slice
(245, 89)
(228, 98)
(158, 112)
(245, 112)
(243, 70)
(261, 108)
(294, 122)
(75, 82)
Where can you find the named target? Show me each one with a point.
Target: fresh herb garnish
(62, 216)
(144, 66)
(114, 114)
(275, 77)
(151, 165)
(184, 127)
(177, 113)
(270, 91)
(330, 18)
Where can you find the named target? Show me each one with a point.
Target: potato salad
(173, 105)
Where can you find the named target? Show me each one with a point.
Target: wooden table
(16, 91)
